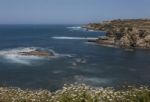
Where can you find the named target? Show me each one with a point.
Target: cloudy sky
(70, 11)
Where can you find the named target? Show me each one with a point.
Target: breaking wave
(73, 38)
(76, 28)
(82, 29)
(15, 56)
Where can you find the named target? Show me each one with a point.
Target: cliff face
(126, 33)
(134, 40)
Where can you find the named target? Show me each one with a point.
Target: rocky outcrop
(144, 43)
(131, 33)
(37, 53)
(125, 41)
(134, 39)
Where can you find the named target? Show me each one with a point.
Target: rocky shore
(126, 33)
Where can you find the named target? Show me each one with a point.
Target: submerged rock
(37, 53)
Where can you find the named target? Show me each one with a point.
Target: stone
(37, 53)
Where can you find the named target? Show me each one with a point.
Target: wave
(77, 28)
(15, 55)
(82, 29)
(74, 27)
(73, 38)
(90, 30)
(21, 59)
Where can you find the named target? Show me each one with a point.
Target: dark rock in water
(91, 40)
(37, 53)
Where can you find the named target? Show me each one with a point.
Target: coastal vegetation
(76, 93)
(128, 33)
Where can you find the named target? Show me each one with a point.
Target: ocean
(76, 60)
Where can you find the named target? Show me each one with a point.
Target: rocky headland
(126, 33)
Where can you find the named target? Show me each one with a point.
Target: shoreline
(116, 46)
(130, 33)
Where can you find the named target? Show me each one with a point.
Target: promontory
(127, 33)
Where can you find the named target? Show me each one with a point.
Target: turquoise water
(75, 61)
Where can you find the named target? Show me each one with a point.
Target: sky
(70, 11)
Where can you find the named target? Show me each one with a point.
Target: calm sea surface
(76, 61)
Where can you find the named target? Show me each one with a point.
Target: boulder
(125, 41)
(141, 43)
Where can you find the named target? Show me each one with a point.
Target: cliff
(134, 33)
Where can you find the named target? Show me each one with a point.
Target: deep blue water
(79, 61)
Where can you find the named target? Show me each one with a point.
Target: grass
(76, 93)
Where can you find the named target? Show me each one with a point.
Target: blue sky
(70, 11)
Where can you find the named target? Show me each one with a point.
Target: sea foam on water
(73, 38)
(21, 56)
(15, 56)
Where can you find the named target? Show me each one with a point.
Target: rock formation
(37, 53)
(131, 33)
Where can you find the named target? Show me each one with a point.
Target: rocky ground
(129, 33)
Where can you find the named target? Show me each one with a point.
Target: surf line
(73, 38)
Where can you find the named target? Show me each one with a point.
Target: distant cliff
(133, 33)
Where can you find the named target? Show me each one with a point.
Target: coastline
(116, 46)
(130, 33)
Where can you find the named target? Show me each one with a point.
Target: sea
(75, 60)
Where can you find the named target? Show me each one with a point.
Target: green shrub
(76, 93)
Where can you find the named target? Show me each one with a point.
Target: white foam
(82, 29)
(57, 55)
(16, 50)
(17, 59)
(75, 27)
(14, 56)
(93, 31)
(74, 38)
